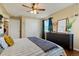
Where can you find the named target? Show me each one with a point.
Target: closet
(14, 28)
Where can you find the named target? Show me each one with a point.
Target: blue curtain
(43, 30)
(50, 28)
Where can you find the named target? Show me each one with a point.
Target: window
(62, 25)
(46, 25)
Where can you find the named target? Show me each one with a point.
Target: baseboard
(76, 49)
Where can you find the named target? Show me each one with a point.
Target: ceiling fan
(34, 8)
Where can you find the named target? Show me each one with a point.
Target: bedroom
(20, 22)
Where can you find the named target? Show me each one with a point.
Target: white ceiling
(16, 9)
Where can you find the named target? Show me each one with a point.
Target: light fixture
(33, 11)
(76, 12)
(34, 8)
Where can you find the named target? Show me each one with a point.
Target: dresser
(63, 39)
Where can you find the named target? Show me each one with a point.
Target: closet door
(14, 28)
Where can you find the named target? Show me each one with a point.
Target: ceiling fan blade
(41, 9)
(26, 6)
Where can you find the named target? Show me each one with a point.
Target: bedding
(25, 47)
(43, 44)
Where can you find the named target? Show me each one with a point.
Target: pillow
(8, 40)
(3, 43)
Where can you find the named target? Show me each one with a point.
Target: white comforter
(24, 47)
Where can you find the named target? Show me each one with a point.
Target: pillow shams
(8, 40)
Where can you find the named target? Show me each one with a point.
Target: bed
(26, 47)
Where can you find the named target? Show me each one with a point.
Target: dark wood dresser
(63, 39)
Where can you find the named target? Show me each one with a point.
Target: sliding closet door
(14, 28)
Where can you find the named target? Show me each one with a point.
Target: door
(14, 28)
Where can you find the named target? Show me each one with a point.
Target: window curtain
(50, 28)
(43, 30)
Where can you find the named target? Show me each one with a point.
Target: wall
(23, 27)
(4, 14)
(68, 12)
(75, 30)
(32, 27)
(13, 24)
(3, 11)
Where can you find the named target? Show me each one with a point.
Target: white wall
(75, 30)
(32, 27)
(3, 11)
(68, 12)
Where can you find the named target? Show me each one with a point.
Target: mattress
(25, 47)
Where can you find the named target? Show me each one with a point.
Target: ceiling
(16, 9)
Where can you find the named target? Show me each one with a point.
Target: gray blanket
(43, 44)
